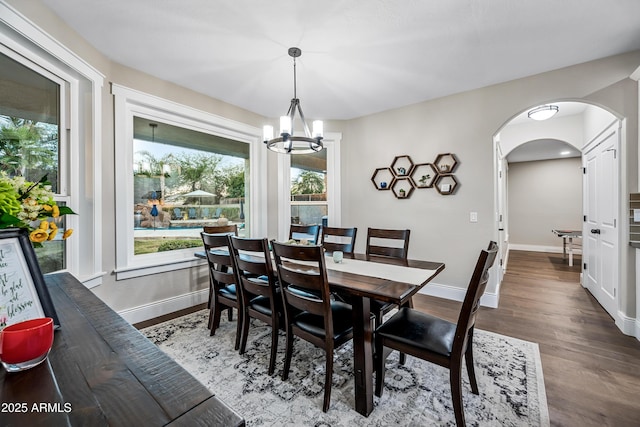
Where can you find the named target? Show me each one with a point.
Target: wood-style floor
(591, 370)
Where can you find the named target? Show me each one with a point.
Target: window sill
(156, 267)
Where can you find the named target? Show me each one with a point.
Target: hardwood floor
(591, 370)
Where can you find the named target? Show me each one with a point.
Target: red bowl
(27, 341)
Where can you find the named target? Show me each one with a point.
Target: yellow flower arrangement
(24, 203)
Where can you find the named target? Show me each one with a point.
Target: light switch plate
(473, 216)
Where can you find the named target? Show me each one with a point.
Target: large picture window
(178, 170)
(184, 180)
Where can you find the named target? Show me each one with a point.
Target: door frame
(624, 323)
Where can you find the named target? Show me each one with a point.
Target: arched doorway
(575, 130)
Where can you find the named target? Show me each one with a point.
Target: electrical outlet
(473, 216)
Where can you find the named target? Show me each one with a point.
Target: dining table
(361, 278)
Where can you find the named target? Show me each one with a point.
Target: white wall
(544, 195)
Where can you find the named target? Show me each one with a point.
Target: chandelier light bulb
(267, 132)
(285, 125)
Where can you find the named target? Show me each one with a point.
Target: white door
(600, 233)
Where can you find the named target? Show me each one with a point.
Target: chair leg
(455, 374)
(274, 345)
(288, 354)
(328, 380)
(380, 367)
(215, 313)
(468, 358)
(403, 357)
(239, 326)
(246, 320)
(230, 314)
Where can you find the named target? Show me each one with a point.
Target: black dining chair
(387, 243)
(309, 232)
(339, 239)
(437, 340)
(219, 229)
(258, 289)
(310, 312)
(222, 282)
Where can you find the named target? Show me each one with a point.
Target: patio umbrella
(199, 194)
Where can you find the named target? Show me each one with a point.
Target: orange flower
(67, 233)
(38, 235)
(47, 208)
(52, 233)
(56, 211)
(53, 226)
(44, 225)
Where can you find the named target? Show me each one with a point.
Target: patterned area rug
(508, 370)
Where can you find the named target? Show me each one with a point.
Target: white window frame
(130, 103)
(80, 135)
(331, 143)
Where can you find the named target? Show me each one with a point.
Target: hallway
(591, 370)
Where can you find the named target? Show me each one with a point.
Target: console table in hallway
(101, 371)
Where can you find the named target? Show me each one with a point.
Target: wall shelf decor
(403, 175)
(423, 175)
(402, 166)
(446, 163)
(446, 184)
(383, 178)
(402, 188)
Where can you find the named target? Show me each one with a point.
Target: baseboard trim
(166, 306)
(628, 325)
(540, 248)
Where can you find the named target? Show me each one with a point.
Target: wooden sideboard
(102, 371)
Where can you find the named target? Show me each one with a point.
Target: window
(194, 167)
(309, 188)
(77, 174)
(30, 143)
(184, 180)
(300, 198)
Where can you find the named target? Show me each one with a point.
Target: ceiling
(358, 56)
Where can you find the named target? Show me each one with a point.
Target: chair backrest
(177, 213)
(471, 303)
(221, 229)
(252, 261)
(220, 263)
(339, 239)
(377, 238)
(192, 213)
(309, 232)
(218, 213)
(304, 287)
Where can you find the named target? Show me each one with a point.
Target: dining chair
(309, 232)
(221, 229)
(388, 243)
(258, 289)
(437, 340)
(339, 239)
(310, 313)
(222, 282)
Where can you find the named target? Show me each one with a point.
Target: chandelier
(543, 112)
(287, 142)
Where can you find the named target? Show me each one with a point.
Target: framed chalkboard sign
(23, 292)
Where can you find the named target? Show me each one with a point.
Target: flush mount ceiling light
(543, 112)
(287, 142)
